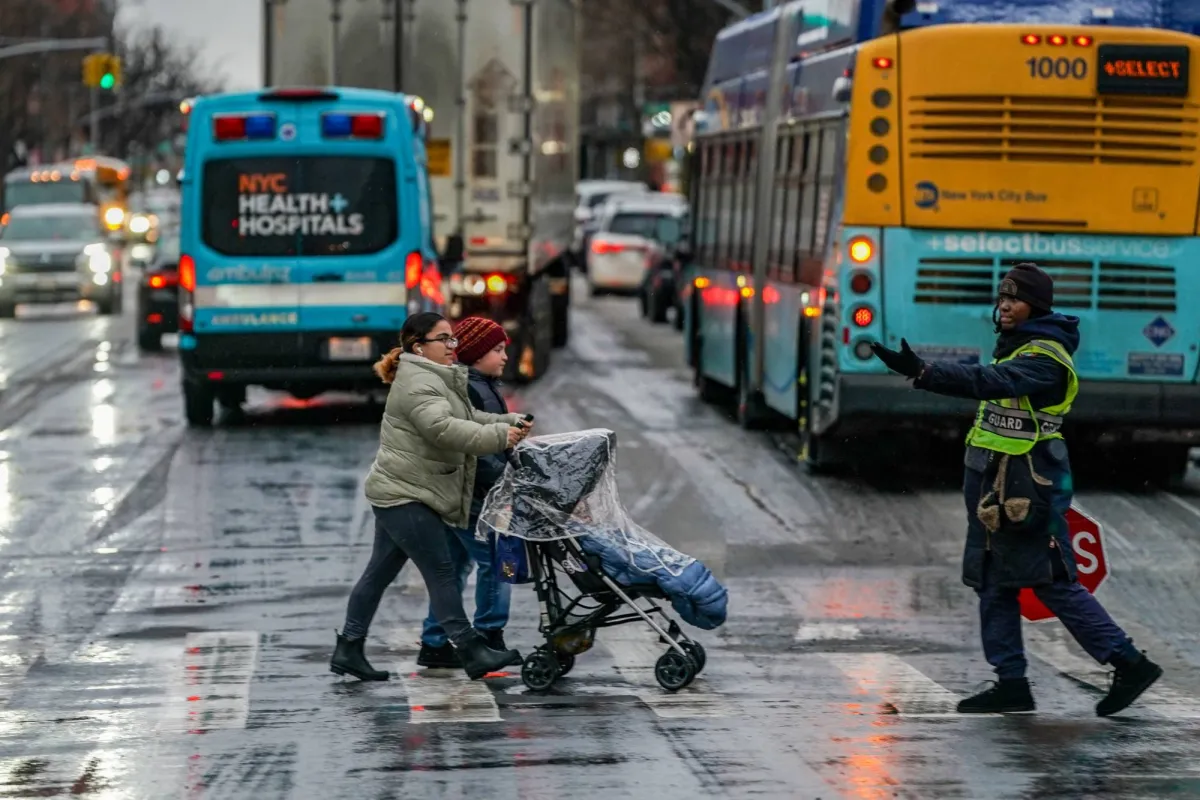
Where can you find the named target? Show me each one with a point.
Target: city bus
(912, 169)
(305, 241)
(98, 180)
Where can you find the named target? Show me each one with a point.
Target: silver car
(57, 253)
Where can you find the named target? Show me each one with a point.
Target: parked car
(631, 230)
(590, 197)
(58, 253)
(158, 293)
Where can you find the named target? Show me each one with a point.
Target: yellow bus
(101, 181)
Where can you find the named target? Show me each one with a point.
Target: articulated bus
(911, 170)
(99, 180)
(306, 240)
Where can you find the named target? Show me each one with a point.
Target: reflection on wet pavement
(168, 601)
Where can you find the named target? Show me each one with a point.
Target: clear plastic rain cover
(564, 485)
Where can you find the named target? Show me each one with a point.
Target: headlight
(98, 258)
(139, 224)
(113, 217)
(4, 254)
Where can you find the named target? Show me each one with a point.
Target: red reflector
(1057, 40)
(366, 126)
(412, 269)
(883, 63)
(478, 241)
(225, 128)
(863, 317)
(187, 273)
(1031, 38)
(1083, 41)
(860, 283)
(216, 376)
(155, 318)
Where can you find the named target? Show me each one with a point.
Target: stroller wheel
(566, 663)
(696, 651)
(540, 670)
(673, 671)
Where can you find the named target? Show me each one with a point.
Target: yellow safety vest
(1014, 426)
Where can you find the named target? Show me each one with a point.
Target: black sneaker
(1011, 696)
(1128, 683)
(442, 657)
(495, 639)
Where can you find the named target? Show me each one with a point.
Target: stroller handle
(510, 454)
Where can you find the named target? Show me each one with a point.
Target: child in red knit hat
(483, 347)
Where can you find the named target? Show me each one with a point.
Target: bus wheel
(198, 401)
(1160, 465)
(819, 453)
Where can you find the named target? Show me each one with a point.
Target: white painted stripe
(911, 692)
(302, 295)
(1158, 700)
(218, 667)
(634, 651)
(827, 631)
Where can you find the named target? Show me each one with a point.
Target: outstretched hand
(905, 362)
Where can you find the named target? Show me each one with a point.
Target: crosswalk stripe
(219, 666)
(827, 631)
(900, 685)
(1159, 700)
(439, 695)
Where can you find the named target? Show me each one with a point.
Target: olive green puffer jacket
(429, 440)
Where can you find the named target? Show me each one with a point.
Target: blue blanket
(695, 594)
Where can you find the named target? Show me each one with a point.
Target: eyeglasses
(447, 341)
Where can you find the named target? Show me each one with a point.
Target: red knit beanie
(476, 336)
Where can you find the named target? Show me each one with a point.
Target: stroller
(559, 524)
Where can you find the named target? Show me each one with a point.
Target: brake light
(1083, 41)
(157, 281)
(883, 63)
(497, 284)
(863, 317)
(187, 273)
(4, 220)
(601, 248)
(1031, 38)
(412, 270)
(861, 250)
(1057, 40)
(354, 126)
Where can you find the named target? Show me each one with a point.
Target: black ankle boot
(442, 657)
(478, 659)
(494, 638)
(1008, 696)
(1128, 683)
(348, 658)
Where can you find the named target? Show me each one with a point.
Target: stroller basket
(559, 496)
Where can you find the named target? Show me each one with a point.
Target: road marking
(827, 631)
(446, 695)
(1159, 700)
(903, 687)
(634, 655)
(218, 667)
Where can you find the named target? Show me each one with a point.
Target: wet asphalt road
(169, 599)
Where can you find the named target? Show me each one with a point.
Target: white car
(630, 231)
(590, 197)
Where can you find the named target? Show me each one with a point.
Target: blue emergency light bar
(352, 126)
(232, 127)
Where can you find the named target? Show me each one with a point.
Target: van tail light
(412, 270)
(187, 273)
(187, 281)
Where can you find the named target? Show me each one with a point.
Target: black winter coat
(484, 393)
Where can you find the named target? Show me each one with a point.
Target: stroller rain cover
(564, 485)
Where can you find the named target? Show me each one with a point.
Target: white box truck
(500, 80)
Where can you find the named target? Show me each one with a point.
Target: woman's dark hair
(415, 329)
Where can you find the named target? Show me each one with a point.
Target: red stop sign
(1092, 564)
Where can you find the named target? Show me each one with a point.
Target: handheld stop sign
(1092, 563)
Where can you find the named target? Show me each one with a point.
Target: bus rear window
(310, 206)
(28, 193)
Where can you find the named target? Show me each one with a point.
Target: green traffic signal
(107, 81)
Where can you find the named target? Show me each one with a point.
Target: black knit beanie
(1030, 283)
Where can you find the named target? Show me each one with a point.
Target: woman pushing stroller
(421, 486)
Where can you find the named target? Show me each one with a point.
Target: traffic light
(102, 70)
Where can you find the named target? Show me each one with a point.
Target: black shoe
(1009, 696)
(495, 638)
(478, 659)
(1128, 683)
(442, 657)
(348, 658)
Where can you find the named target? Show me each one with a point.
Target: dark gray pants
(411, 531)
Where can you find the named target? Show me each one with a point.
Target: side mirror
(843, 87)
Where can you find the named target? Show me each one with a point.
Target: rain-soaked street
(169, 601)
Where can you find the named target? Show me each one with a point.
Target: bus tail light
(861, 250)
(1083, 41)
(860, 283)
(298, 93)
(883, 62)
(863, 316)
(412, 270)
(1031, 38)
(352, 126)
(1056, 40)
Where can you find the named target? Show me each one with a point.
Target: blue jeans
(1077, 609)
(492, 597)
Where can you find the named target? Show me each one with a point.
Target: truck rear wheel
(560, 311)
(198, 400)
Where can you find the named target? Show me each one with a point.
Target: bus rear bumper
(296, 361)
(1111, 406)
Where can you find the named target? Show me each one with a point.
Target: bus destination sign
(1145, 69)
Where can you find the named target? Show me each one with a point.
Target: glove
(906, 362)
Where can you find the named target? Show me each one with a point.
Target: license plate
(358, 349)
(165, 295)
(1156, 70)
